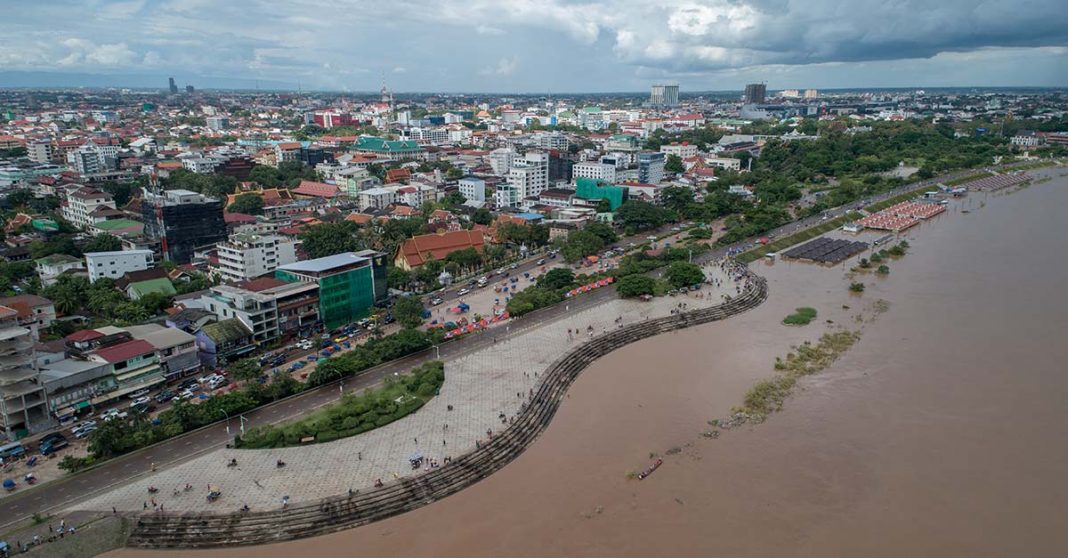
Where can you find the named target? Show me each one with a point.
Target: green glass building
(349, 283)
(590, 189)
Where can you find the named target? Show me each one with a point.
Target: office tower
(664, 95)
(173, 88)
(755, 93)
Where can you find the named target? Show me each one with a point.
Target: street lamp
(227, 421)
(243, 421)
(437, 353)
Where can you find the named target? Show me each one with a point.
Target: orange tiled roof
(415, 249)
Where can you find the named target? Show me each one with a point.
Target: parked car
(139, 393)
(52, 443)
(164, 396)
(462, 292)
(304, 344)
(436, 301)
(141, 400)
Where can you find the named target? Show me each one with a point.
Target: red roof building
(418, 250)
(121, 352)
(310, 189)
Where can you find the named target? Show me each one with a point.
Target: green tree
(328, 239)
(636, 284)
(674, 164)
(605, 231)
(103, 243)
(580, 244)
(245, 370)
(482, 216)
(397, 278)
(121, 192)
(684, 274)
(250, 204)
(454, 198)
(640, 215)
(454, 173)
(557, 278)
(408, 312)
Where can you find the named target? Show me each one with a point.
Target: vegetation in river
(802, 316)
(768, 395)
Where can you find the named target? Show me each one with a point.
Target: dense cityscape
(243, 316)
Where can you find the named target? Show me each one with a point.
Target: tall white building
(247, 256)
(553, 140)
(530, 175)
(596, 171)
(116, 264)
(82, 202)
(683, 150)
(39, 151)
(92, 158)
(501, 160)
(217, 122)
(473, 188)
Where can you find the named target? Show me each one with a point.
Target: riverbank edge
(307, 519)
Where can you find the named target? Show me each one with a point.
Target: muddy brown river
(942, 432)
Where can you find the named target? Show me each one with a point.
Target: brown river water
(942, 432)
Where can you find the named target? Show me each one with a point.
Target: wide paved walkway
(481, 387)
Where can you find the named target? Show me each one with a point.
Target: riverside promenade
(193, 529)
(485, 389)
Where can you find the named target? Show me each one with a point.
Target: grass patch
(768, 395)
(969, 178)
(856, 287)
(355, 414)
(883, 270)
(803, 316)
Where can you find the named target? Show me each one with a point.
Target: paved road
(64, 492)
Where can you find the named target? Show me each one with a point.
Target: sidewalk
(484, 388)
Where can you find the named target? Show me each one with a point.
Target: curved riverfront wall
(192, 530)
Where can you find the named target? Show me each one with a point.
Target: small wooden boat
(649, 470)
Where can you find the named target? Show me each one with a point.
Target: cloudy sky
(537, 45)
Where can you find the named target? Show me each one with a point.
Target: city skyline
(528, 47)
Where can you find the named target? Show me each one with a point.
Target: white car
(141, 400)
(436, 301)
(138, 394)
(462, 292)
(304, 344)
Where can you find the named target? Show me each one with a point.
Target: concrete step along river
(306, 519)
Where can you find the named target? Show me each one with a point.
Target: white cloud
(561, 42)
(487, 30)
(504, 67)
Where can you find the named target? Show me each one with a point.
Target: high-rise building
(23, 405)
(811, 94)
(755, 93)
(247, 256)
(651, 167)
(664, 95)
(530, 174)
(190, 89)
(172, 87)
(182, 221)
(560, 166)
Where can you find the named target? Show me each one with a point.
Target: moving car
(462, 292)
(436, 301)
